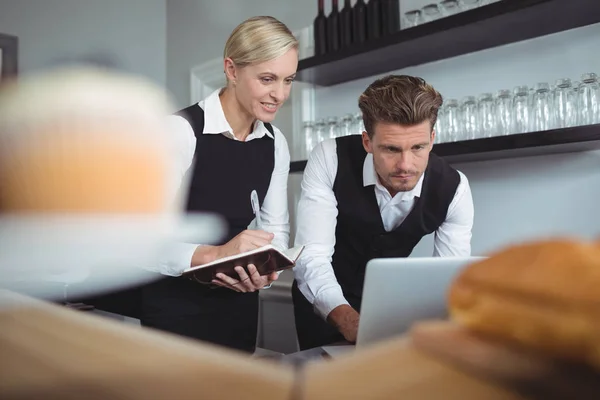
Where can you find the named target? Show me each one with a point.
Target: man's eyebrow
(389, 146)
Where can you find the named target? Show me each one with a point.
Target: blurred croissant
(83, 140)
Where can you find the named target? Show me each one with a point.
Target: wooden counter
(50, 352)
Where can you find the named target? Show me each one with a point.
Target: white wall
(133, 32)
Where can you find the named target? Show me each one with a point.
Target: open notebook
(267, 259)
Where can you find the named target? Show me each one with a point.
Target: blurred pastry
(543, 296)
(83, 140)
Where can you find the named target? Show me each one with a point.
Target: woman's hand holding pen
(250, 280)
(245, 241)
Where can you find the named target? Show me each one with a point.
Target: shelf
(496, 24)
(556, 141)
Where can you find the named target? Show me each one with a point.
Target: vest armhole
(193, 114)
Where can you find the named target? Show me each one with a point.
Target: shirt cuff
(179, 259)
(328, 300)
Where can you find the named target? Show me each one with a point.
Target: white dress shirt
(317, 217)
(274, 209)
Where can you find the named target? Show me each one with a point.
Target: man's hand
(345, 319)
(246, 283)
(245, 241)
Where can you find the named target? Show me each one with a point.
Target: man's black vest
(360, 234)
(225, 172)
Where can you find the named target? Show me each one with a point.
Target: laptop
(400, 291)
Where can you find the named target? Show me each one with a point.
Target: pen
(256, 208)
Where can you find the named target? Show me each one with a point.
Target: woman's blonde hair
(257, 40)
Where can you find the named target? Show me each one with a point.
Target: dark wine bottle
(390, 12)
(320, 30)
(346, 24)
(359, 22)
(333, 27)
(374, 21)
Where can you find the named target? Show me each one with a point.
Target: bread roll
(83, 140)
(544, 296)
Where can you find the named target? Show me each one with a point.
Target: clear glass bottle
(450, 7)
(504, 112)
(564, 103)
(431, 12)
(487, 115)
(320, 131)
(332, 128)
(588, 99)
(439, 127)
(470, 118)
(360, 124)
(469, 4)
(412, 18)
(522, 109)
(452, 122)
(542, 115)
(346, 125)
(308, 133)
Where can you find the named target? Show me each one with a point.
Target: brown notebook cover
(266, 259)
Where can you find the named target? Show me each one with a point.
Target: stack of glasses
(444, 8)
(329, 128)
(525, 109)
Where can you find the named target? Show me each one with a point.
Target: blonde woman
(235, 150)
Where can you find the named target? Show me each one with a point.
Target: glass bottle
(346, 24)
(390, 11)
(374, 19)
(564, 104)
(359, 22)
(521, 110)
(504, 112)
(333, 27)
(332, 128)
(320, 30)
(308, 131)
(588, 99)
(541, 108)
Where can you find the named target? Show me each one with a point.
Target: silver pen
(256, 209)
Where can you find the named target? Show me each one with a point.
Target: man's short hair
(399, 99)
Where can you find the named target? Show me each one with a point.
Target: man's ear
(230, 70)
(432, 139)
(367, 143)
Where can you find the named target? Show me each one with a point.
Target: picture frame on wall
(9, 56)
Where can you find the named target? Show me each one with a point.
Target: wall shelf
(556, 141)
(496, 24)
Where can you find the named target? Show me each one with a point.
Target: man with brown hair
(371, 197)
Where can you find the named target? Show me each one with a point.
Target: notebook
(266, 259)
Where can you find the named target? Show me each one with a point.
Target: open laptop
(400, 291)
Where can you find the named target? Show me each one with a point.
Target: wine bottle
(346, 24)
(320, 30)
(390, 13)
(374, 21)
(333, 27)
(359, 22)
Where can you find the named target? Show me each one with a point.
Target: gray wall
(196, 35)
(133, 32)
